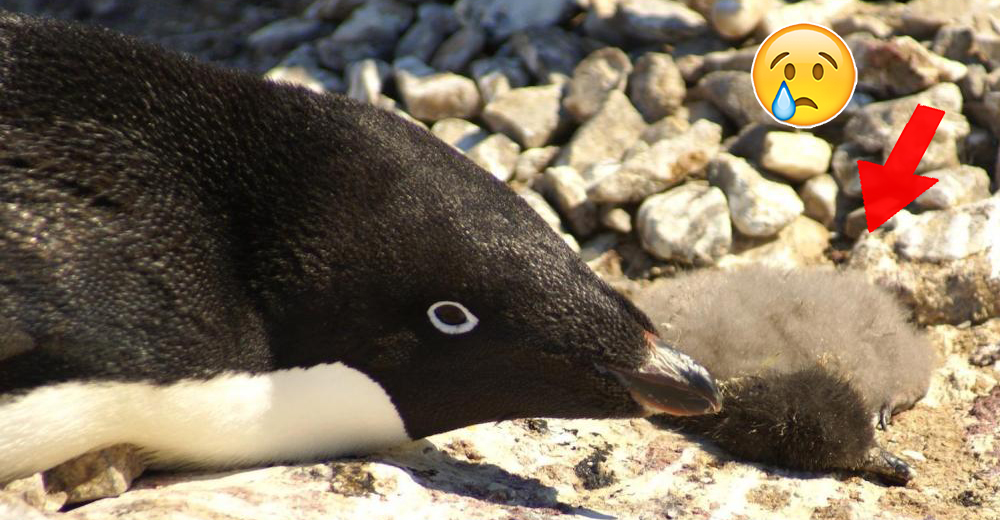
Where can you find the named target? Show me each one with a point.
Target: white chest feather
(234, 419)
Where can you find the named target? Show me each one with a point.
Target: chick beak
(671, 382)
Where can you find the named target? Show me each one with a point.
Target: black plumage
(804, 359)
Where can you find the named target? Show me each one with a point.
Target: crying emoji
(804, 75)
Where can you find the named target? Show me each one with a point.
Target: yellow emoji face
(804, 75)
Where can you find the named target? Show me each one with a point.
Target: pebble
(819, 12)
(606, 135)
(497, 75)
(736, 19)
(759, 207)
(548, 214)
(796, 156)
(497, 154)
(548, 50)
(283, 35)
(899, 66)
(616, 219)
(657, 21)
(568, 192)
(374, 20)
(331, 10)
(533, 161)
(459, 133)
(951, 234)
(688, 223)
(503, 18)
(600, 72)
(802, 243)
(434, 23)
(819, 198)
(531, 115)
(732, 93)
(956, 186)
(458, 50)
(366, 80)
(431, 96)
(656, 86)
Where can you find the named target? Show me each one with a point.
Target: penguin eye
(451, 317)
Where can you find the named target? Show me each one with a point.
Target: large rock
(656, 86)
(955, 186)
(606, 136)
(944, 264)
(431, 96)
(602, 71)
(530, 115)
(689, 223)
(663, 164)
(877, 126)
(759, 207)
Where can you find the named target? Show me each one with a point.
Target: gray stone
(701, 109)
(845, 167)
(819, 197)
(656, 86)
(431, 96)
(434, 23)
(759, 207)
(366, 80)
(605, 136)
(282, 35)
(599, 22)
(796, 156)
(602, 71)
(736, 19)
(856, 223)
(549, 215)
(458, 50)
(338, 56)
(616, 219)
(899, 66)
(459, 133)
(533, 162)
(597, 246)
(497, 154)
(689, 223)
(331, 10)
(567, 190)
(548, 50)
(503, 18)
(732, 93)
(660, 165)
(497, 75)
(657, 21)
(877, 126)
(951, 234)
(529, 115)
(956, 186)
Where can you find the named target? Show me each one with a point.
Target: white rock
(530, 115)
(689, 223)
(759, 207)
(366, 79)
(797, 156)
(606, 135)
(497, 154)
(955, 186)
(952, 234)
(568, 191)
(819, 197)
(738, 18)
(431, 96)
(533, 162)
(602, 71)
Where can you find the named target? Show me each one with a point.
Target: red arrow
(887, 189)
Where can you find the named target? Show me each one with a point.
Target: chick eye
(451, 317)
(818, 71)
(789, 71)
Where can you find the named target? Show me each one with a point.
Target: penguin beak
(671, 382)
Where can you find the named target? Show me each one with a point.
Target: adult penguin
(228, 271)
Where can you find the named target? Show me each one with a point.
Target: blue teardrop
(783, 106)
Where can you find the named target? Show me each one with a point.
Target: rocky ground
(631, 126)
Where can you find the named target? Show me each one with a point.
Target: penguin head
(471, 309)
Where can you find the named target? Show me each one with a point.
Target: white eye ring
(470, 319)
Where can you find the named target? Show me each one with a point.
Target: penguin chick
(749, 320)
(824, 427)
(228, 271)
(804, 359)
